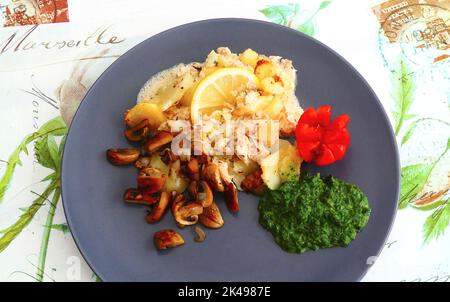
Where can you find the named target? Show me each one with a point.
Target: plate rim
(385, 116)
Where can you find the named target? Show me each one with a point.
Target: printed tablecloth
(51, 51)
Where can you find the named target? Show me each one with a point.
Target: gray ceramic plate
(114, 237)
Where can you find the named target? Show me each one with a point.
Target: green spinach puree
(314, 212)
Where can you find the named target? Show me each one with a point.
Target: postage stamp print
(32, 12)
(420, 27)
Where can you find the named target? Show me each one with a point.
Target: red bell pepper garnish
(320, 140)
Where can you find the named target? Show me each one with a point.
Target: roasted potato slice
(272, 86)
(176, 181)
(274, 108)
(281, 166)
(157, 163)
(145, 111)
(265, 69)
(249, 57)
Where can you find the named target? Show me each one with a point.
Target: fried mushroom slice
(200, 235)
(137, 196)
(138, 132)
(151, 179)
(211, 217)
(193, 169)
(167, 156)
(159, 140)
(211, 174)
(159, 209)
(185, 213)
(192, 190)
(204, 159)
(122, 157)
(201, 193)
(231, 197)
(188, 214)
(166, 239)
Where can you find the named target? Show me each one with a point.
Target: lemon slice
(219, 90)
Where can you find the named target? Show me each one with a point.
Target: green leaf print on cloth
(10, 233)
(414, 179)
(280, 14)
(63, 227)
(417, 190)
(402, 94)
(292, 16)
(437, 222)
(54, 127)
(48, 153)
